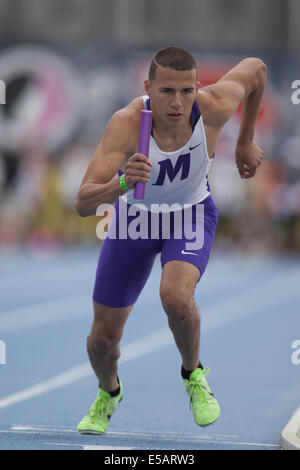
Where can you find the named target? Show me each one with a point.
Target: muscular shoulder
(124, 124)
(120, 140)
(128, 118)
(219, 101)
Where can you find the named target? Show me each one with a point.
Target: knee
(101, 342)
(176, 303)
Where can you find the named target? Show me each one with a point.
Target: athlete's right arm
(100, 184)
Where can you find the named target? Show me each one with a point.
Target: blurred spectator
(38, 185)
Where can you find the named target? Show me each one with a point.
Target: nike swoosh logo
(192, 148)
(188, 253)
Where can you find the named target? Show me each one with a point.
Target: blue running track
(250, 318)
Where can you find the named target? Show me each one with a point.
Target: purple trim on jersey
(195, 114)
(207, 184)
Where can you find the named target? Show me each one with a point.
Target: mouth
(175, 115)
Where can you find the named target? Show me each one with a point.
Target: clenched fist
(137, 170)
(248, 157)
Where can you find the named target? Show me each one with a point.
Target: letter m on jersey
(166, 168)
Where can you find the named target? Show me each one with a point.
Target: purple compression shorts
(125, 264)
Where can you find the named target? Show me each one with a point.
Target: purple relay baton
(144, 142)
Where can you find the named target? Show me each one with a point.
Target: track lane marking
(44, 313)
(177, 438)
(218, 314)
(146, 345)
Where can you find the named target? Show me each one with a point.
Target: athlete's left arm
(244, 83)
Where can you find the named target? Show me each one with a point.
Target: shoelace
(197, 390)
(100, 408)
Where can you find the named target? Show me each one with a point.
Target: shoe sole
(206, 425)
(98, 433)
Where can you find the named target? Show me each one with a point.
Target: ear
(147, 87)
(197, 86)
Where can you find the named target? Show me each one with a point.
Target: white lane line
(165, 436)
(146, 345)
(45, 313)
(61, 380)
(42, 271)
(90, 447)
(43, 278)
(225, 311)
(43, 429)
(53, 311)
(267, 295)
(66, 308)
(179, 438)
(209, 441)
(253, 444)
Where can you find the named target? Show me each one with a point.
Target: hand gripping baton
(144, 142)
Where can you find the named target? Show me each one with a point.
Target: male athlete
(187, 122)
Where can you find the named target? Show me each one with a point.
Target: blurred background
(67, 65)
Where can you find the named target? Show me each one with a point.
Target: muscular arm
(119, 143)
(245, 84)
(98, 185)
(252, 102)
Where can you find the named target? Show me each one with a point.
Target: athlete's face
(172, 94)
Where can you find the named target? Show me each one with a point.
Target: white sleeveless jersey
(178, 178)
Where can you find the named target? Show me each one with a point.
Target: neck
(168, 137)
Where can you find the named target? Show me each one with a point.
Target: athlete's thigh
(123, 269)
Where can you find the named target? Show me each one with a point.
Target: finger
(246, 167)
(246, 172)
(135, 173)
(139, 157)
(132, 180)
(249, 174)
(138, 160)
(243, 169)
(137, 165)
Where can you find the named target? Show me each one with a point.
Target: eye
(187, 91)
(166, 90)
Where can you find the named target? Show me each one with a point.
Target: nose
(176, 101)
